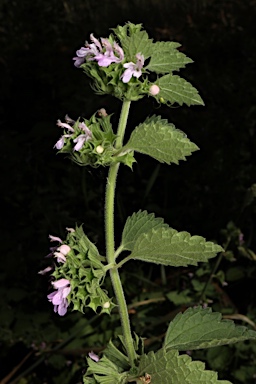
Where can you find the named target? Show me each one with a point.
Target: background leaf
(167, 367)
(200, 328)
(161, 140)
(169, 247)
(177, 90)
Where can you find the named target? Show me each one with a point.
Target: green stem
(122, 123)
(110, 238)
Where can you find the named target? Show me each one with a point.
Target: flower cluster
(104, 53)
(78, 274)
(119, 65)
(107, 52)
(84, 134)
(91, 142)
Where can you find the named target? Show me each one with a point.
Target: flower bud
(154, 90)
(99, 149)
(71, 230)
(102, 112)
(93, 356)
(106, 305)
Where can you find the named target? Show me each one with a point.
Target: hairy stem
(110, 239)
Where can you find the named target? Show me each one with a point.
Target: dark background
(43, 193)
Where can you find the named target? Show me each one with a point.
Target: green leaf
(167, 367)
(200, 328)
(179, 298)
(177, 90)
(169, 247)
(163, 46)
(134, 40)
(140, 222)
(166, 58)
(160, 140)
(115, 355)
(138, 43)
(105, 371)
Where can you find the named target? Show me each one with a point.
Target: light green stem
(110, 239)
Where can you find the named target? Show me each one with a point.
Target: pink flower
(93, 356)
(55, 238)
(71, 230)
(60, 257)
(133, 69)
(81, 139)
(64, 125)
(59, 298)
(44, 271)
(104, 53)
(60, 143)
(63, 250)
(84, 128)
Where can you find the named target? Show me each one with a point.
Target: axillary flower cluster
(91, 142)
(78, 272)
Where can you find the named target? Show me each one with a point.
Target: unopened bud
(154, 90)
(93, 356)
(102, 112)
(99, 149)
(70, 229)
(106, 305)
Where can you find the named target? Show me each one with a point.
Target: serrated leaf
(167, 367)
(168, 62)
(166, 58)
(160, 140)
(138, 43)
(177, 90)
(134, 40)
(200, 328)
(140, 222)
(169, 247)
(163, 46)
